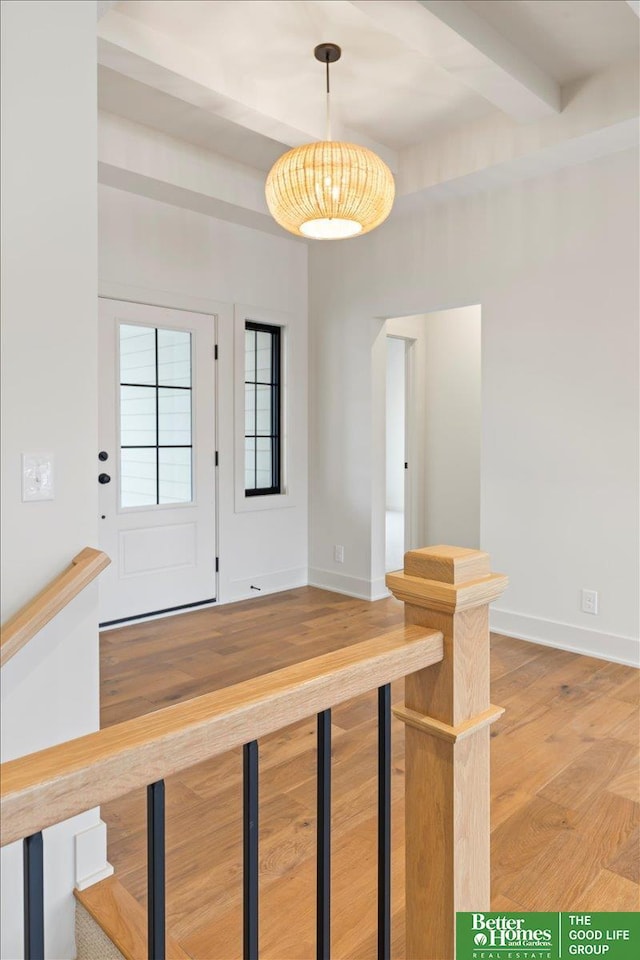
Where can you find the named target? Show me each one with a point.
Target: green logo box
(547, 936)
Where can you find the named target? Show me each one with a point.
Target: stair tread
(123, 919)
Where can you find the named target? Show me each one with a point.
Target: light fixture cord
(328, 130)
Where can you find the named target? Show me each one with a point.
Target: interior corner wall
(49, 373)
(553, 262)
(168, 256)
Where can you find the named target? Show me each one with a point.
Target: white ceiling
(384, 90)
(238, 77)
(570, 39)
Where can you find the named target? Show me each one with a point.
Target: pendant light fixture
(329, 190)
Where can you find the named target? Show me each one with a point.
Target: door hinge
(217, 458)
(217, 564)
(215, 352)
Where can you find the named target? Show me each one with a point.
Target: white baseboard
(566, 636)
(379, 590)
(91, 856)
(350, 586)
(262, 585)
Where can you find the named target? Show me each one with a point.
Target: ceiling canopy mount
(327, 52)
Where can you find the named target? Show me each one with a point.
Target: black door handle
(104, 478)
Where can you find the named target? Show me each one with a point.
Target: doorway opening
(427, 421)
(396, 452)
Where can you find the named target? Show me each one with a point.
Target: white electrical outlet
(589, 601)
(338, 553)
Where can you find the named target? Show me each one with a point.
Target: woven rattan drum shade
(329, 190)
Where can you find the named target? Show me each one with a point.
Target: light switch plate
(37, 476)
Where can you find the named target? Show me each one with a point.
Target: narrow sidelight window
(262, 401)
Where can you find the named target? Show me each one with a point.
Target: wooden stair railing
(442, 651)
(35, 614)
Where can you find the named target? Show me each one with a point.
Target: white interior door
(157, 459)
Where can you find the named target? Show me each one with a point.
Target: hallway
(564, 779)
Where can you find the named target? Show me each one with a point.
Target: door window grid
(155, 416)
(262, 409)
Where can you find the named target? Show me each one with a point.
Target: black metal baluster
(155, 870)
(33, 897)
(323, 890)
(384, 822)
(250, 838)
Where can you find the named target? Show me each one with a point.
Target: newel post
(447, 714)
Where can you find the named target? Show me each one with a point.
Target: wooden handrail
(31, 618)
(49, 786)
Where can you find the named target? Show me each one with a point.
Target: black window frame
(275, 332)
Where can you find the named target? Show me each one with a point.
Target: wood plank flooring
(565, 780)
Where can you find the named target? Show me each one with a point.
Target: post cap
(447, 564)
(447, 579)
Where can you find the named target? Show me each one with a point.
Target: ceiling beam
(452, 35)
(123, 97)
(600, 110)
(135, 158)
(517, 169)
(159, 61)
(177, 196)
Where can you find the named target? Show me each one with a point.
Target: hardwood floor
(565, 780)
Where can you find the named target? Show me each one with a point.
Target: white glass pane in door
(174, 358)
(138, 478)
(175, 485)
(174, 417)
(137, 354)
(137, 416)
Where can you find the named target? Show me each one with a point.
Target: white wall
(452, 400)
(50, 688)
(395, 423)
(553, 263)
(158, 253)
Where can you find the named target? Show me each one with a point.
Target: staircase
(111, 924)
(443, 654)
